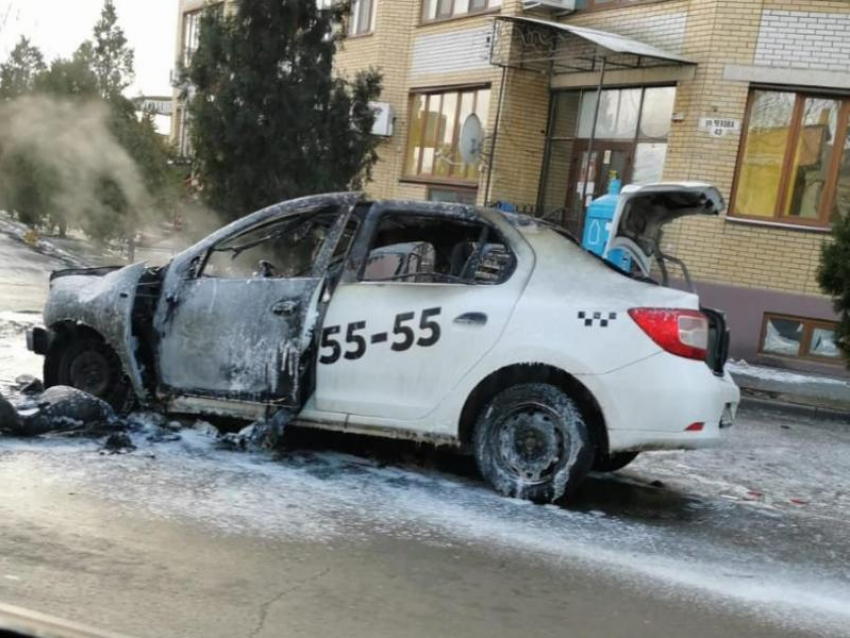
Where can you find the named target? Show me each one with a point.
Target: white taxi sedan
(489, 331)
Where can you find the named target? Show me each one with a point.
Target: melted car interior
(422, 249)
(282, 249)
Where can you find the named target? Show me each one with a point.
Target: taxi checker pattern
(597, 319)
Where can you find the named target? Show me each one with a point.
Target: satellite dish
(471, 140)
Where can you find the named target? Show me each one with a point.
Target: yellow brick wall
(518, 158)
(389, 49)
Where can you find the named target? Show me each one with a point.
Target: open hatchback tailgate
(643, 211)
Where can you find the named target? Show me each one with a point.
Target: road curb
(787, 408)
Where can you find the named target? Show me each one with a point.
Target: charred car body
(447, 323)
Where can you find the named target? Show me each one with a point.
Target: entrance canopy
(552, 47)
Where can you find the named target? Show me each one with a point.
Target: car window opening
(279, 250)
(421, 249)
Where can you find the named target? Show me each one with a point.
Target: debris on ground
(28, 385)
(118, 443)
(10, 421)
(163, 436)
(207, 429)
(156, 427)
(65, 410)
(260, 435)
(241, 441)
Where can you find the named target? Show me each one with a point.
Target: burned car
(490, 331)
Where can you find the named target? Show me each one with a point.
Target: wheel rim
(90, 372)
(531, 443)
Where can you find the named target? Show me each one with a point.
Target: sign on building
(719, 126)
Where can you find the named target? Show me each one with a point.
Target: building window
(191, 34)
(441, 9)
(630, 144)
(435, 122)
(794, 163)
(602, 4)
(465, 196)
(800, 338)
(192, 30)
(362, 16)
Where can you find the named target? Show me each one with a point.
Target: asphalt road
(343, 536)
(183, 539)
(23, 275)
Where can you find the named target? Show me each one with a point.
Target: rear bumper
(712, 435)
(38, 340)
(651, 404)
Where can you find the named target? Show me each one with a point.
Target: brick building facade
(751, 95)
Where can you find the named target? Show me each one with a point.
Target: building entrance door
(591, 173)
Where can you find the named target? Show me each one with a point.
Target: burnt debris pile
(58, 410)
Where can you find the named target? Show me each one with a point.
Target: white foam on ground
(331, 498)
(15, 358)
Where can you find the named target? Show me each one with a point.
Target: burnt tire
(90, 365)
(531, 442)
(614, 462)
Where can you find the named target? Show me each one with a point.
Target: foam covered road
(182, 538)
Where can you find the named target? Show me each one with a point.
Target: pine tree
(69, 78)
(834, 277)
(28, 188)
(111, 57)
(19, 72)
(269, 118)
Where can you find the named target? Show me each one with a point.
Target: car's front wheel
(90, 365)
(532, 442)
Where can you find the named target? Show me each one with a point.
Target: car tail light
(680, 332)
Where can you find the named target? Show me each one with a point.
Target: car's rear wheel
(532, 442)
(614, 462)
(90, 365)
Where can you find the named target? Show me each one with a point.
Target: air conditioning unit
(384, 119)
(552, 5)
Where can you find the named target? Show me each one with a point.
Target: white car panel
(395, 381)
(546, 328)
(651, 403)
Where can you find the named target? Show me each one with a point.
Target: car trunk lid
(643, 211)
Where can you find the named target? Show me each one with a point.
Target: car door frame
(187, 266)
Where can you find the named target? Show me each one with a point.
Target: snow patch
(774, 374)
